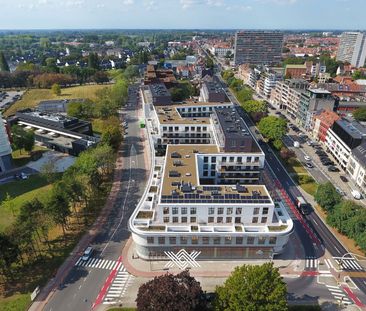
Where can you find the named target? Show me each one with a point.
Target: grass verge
(18, 302)
(22, 157)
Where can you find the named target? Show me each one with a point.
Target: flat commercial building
(212, 91)
(352, 48)
(258, 47)
(5, 149)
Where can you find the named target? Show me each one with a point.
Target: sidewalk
(208, 268)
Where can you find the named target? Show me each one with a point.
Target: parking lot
(9, 97)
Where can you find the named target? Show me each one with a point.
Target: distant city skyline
(183, 14)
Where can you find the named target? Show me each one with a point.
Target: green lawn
(33, 96)
(22, 157)
(21, 191)
(18, 302)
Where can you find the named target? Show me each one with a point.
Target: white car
(87, 253)
(307, 158)
(23, 176)
(356, 194)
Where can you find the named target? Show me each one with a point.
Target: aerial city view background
(182, 155)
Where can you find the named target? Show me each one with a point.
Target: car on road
(87, 253)
(343, 178)
(309, 165)
(307, 158)
(333, 169)
(327, 163)
(356, 194)
(340, 191)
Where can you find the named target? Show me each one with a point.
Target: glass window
(183, 240)
(272, 240)
(205, 159)
(220, 210)
(219, 220)
(211, 210)
(184, 219)
(175, 219)
(231, 159)
(216, 240)
(193, 211)
(250, 240)
(239, 240)
(184, 210)
(212, 173)
(240, 159)
(238, 211)
(150, 240)
(166, 210)
(166, 219)
(172, 240)
(264, 220)
(194, 240)
(213, 160)
(175, 210)
(223, 159)
(228, 220)
(193, 219)
(211, 219)
(228, 240)
(249, 159)
(237, 220)
(229, 210)
(205, 173)
(255, 220)
(265, 211)
(256, 159)
(256, 211)
(205, 240)
(161, 239)
(261, 240)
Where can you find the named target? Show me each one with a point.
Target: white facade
(5, 148)
(221, 51)
(352, 48)
(339, 150)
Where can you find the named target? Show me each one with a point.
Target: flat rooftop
(170, 115)
(353, 128)
(181, 182)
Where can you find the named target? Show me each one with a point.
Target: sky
(183, 14)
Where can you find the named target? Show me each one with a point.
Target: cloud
(128, 2)
(150, 5)
(280, 2)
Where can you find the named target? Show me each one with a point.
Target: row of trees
(248, 288)
(345, 215)
(75, 196)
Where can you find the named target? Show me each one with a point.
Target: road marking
(76, 263)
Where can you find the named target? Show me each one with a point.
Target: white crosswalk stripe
(100, 263)
(339, 294)
(311, 263)
(118, 288)
(348, 264)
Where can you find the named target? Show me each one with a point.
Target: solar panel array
(234, 198)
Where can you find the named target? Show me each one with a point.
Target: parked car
(356, 194)
(327, 163)
(333, 169)
(309, 165)
(307, 158)
(343, 178)
(340, 191)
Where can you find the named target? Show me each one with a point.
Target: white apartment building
(221, 51)
(356, 167)
(5, 149)
(352, 48)
(209, 197)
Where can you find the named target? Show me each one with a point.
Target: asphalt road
(82, 285)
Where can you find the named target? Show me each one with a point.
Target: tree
(56, 89)
(179, 292)
(93, 61)
(244, 94)
(254, 106)
(111, 135)
(252, 287)
(9, 253)
(48, 171)
(131, 72)
(327, 196)
(286, 153)
(272, 127)
(177, 94)
(360, 114)
(29, 141)
(3, 63)
(82, 110)
(22, 138)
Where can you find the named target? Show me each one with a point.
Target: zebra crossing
(339, 294)
(118, 288)
(311, 263)
(348, 264)
(99, 263)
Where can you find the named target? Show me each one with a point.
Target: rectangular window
(211, 220)
(272, 240)
(175, 219)
(216, 240)
(166, 210)
(229, 210)
(184, 219)
(231, 159)
(194, 240)
(161, 240)
(175, 210)
(228, 220)
(237, 220)
(183, 240)
(211, 210)
(220, 210)
(250, 240)
(239, 240)
(261, 240)
(238, 211)
(213, 160)
(256, 211)
(172, 240)
(223, 159)
(166, 219)
(205, 240)
(264, 220)
(212, 173)
(239, 159)
(193, 211)
(205, 159)
(150, 240)
(255, 220)
(249, 159)
(184, 210)
(228, 240)
(193, 219)
(265, 211)
(219, 220)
